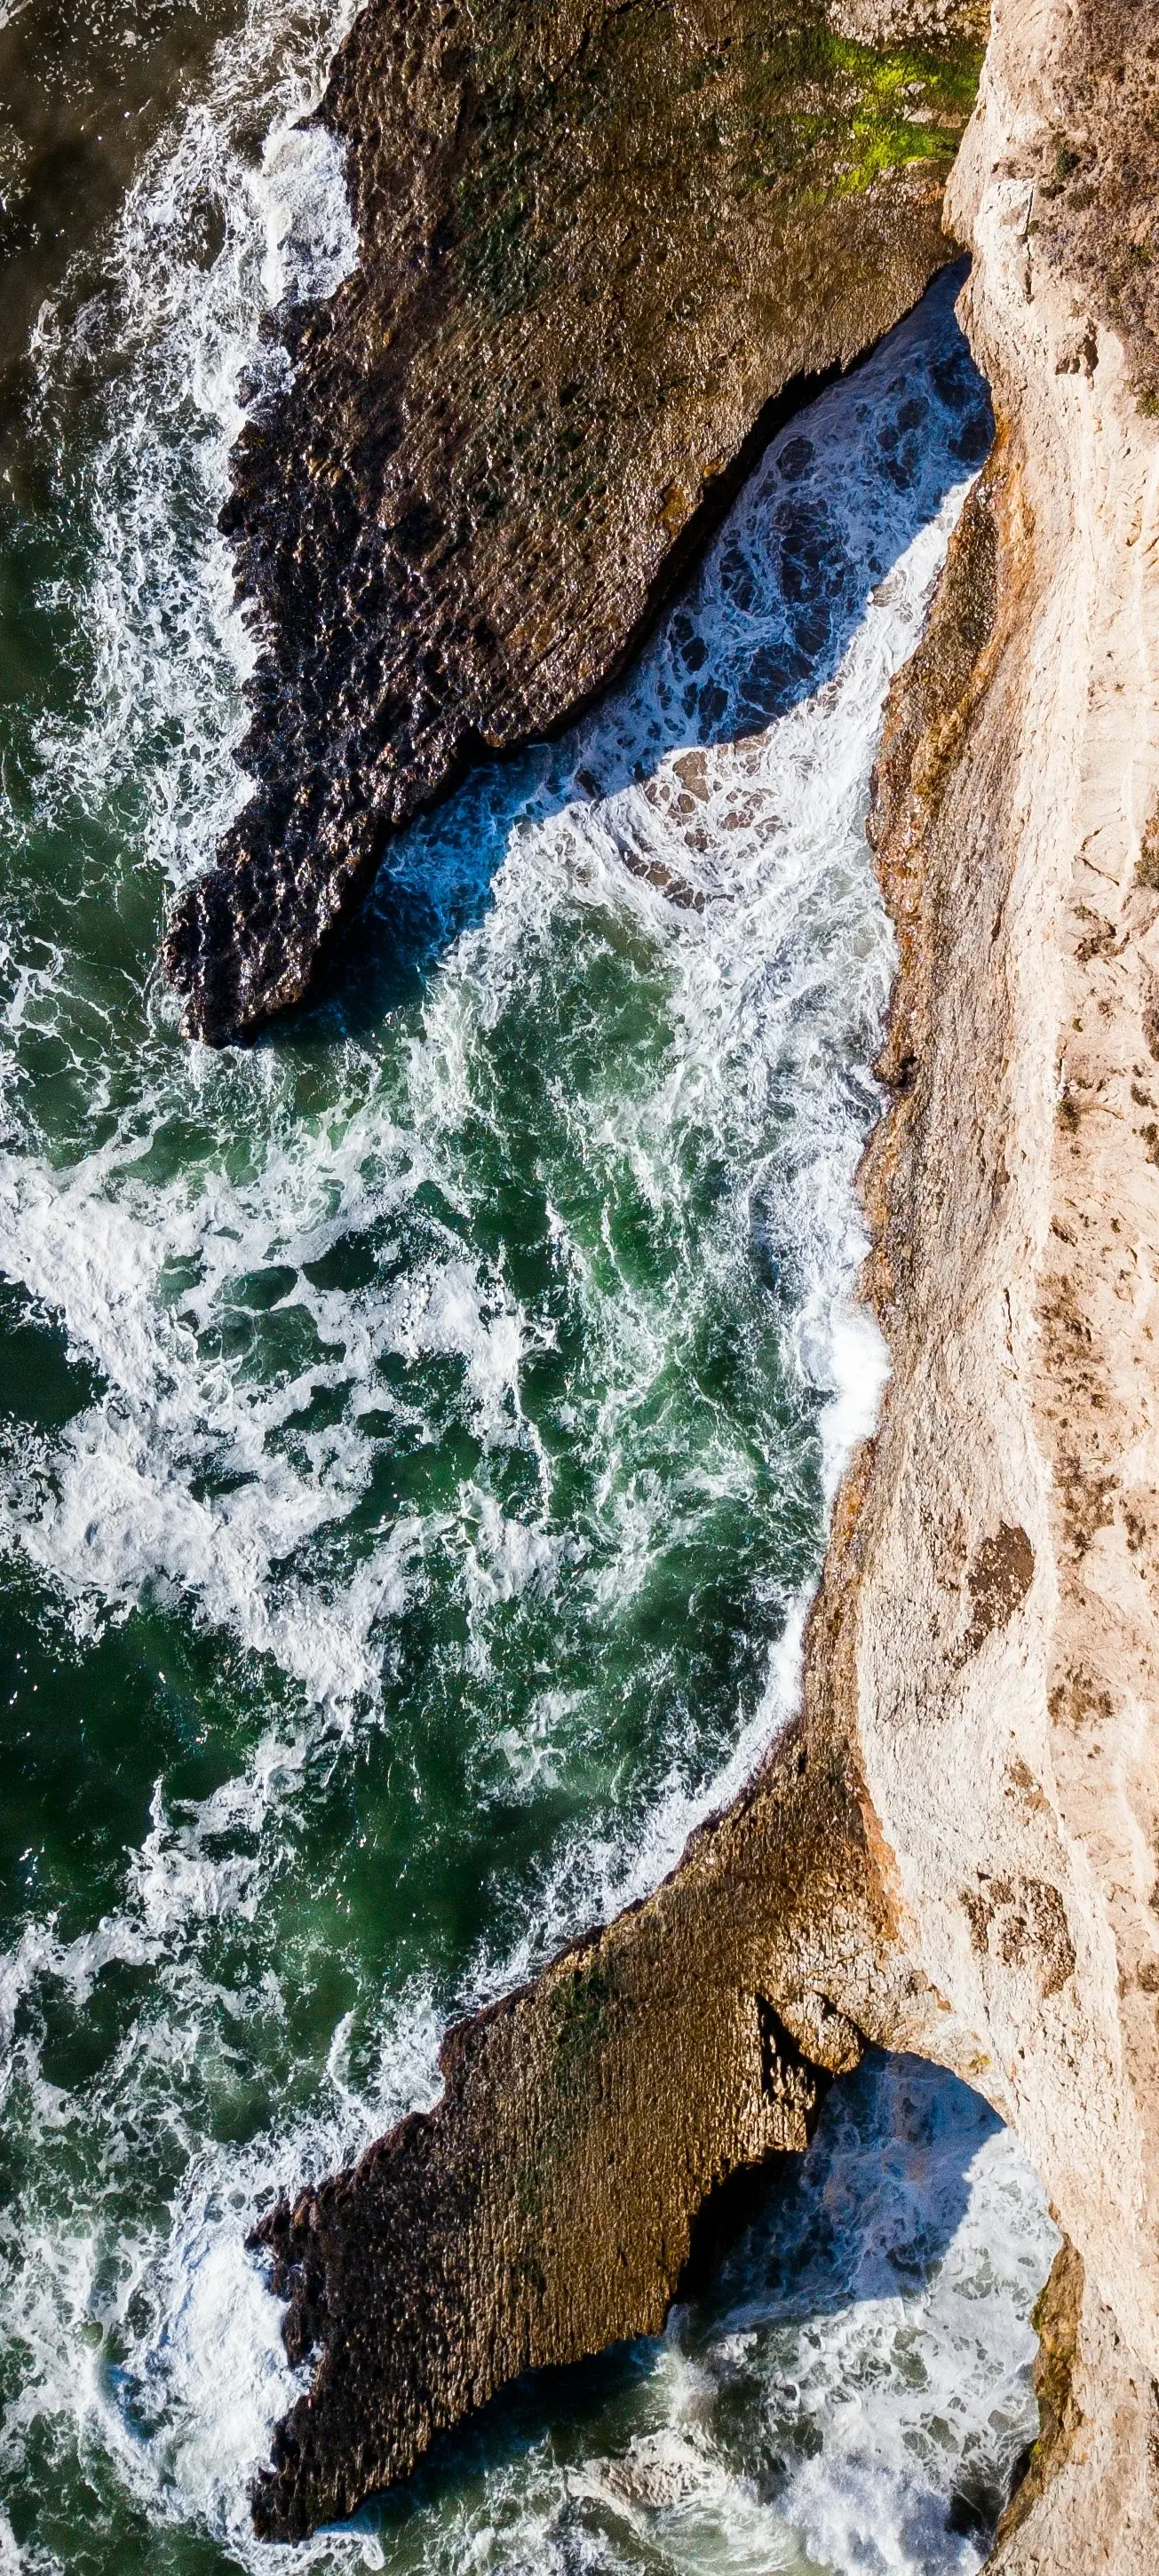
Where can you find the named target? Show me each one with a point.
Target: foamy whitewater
(418, 1433)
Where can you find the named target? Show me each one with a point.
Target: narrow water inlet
(417, 1441)
(849, 2391)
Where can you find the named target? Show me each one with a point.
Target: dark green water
(416, 1433)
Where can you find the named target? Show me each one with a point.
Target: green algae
(597, 245)
(852, 111)
(790, 109)
(886, 131)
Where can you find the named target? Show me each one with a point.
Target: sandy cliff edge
(1013, 1760)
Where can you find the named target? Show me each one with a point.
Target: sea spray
(418, 1466)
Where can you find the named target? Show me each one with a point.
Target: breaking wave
(417, 1449)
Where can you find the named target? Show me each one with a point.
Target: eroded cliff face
(596, 244)
(1088, 2499)
(955, 1849)
(547, 2206)
(1006, 1619)
(1006, 1626)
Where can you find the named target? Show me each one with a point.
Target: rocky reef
(954, 1850)
(596, 2128)
(599, 247)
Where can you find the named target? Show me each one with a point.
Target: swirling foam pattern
(417, 1435)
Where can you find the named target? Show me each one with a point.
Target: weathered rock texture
(1090, 2499)
(955, 1850)
(596, 244)
(1006, 1653)
(1006, 1656)
(546, 2206)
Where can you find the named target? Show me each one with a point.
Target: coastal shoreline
(952, 1850)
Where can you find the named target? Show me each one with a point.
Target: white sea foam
(872, 2338)
(785, 952)
(855, 2396)
(186, 1219)
(168, 649)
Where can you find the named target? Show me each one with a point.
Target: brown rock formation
(598, 243)
(1090, 2498)
(955, 1849)
(546, 2206)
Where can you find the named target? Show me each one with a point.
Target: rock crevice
(598, 248)
(547, 2206)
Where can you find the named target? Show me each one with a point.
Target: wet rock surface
(593, 2130)
(597, 246)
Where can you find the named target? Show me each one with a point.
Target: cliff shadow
(865, 2219)
(761, 628)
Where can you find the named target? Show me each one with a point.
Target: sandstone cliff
(1015, 1189)
(597, 244)
(955, 1849)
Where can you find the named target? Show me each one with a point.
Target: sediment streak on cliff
(955, 1849)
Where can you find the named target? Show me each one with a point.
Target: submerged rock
(600, 246)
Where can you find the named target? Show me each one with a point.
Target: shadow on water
(866, 2219)
(408, 1849)
(758, 630)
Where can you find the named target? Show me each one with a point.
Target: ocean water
(417, 1431)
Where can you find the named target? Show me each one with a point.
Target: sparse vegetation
(1147, 869)
(790, 109)
(1066, 162)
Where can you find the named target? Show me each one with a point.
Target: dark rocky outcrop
(597, 244)
(547, 2206)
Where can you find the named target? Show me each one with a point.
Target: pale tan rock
(1013, 1762)
(1025, 1393)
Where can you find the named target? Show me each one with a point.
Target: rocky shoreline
(601, 249)
(953, 1851)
